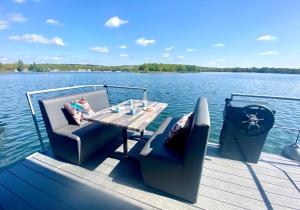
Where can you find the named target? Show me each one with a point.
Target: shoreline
(142, 68)
(151, 72)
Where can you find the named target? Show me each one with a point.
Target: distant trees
(36, 67)
(20, 66)
(144, 68)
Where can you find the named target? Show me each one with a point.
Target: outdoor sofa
(73, 142)
(170, 172)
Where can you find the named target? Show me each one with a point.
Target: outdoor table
(126, 120)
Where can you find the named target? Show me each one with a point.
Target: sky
(231, 33)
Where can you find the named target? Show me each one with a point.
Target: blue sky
(115, 32)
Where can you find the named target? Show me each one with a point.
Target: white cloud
(266, 38)
(191, 50)
(19, 1)
(216, 62)
(100, 49)
(123, 55)
(169, 48)
(16, 17)
(35, 38)
(57, 41)
(212, 63)
(218, 45)
(54, 58)
(165, 55)
(149, 58)
(3, 24)
(115, 22)
(12, 17)
(180, 57)
(123, 46)
(54, 22)
(145, 42)
(4, 59)
(269, 53)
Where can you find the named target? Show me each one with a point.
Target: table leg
(125, 148)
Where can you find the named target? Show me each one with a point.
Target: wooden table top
(137, 122)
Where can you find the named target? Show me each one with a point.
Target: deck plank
(265, 164)
(10, 201)
(249, 183)
(60, 192)
(108, 167)
(30, 194)
(95, 197)
(121, 185)
(246, 174)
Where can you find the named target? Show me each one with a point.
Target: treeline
(154, 67)
(148, 67)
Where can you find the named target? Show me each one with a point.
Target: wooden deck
(43, 182)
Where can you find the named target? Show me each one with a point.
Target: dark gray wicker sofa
(73, 142)
(170, 172)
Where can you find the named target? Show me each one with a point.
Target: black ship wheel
(255, 120)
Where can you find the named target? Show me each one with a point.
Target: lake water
(17, 133)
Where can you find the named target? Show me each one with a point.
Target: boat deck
(42, 181)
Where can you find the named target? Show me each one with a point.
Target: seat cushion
(155, 148)
(91, 137)
(178, 135)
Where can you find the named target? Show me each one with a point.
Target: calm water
(17, 133)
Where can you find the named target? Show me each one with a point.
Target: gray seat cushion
(90, 137)
(155, 147)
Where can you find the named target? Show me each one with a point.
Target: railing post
(35, 122)
(145, 95)
(106, 87)
(297, 138)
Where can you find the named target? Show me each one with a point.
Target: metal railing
(29, 94)
(264, 96)
(271, 97)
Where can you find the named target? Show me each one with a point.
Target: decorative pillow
(178, 135)
(78, 110)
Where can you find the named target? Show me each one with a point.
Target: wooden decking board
(78, 184)
(212, 203)
(225, 184)
(254, 193)
(292, 167)
(205, 201)
(30, 194)
(93, 178)
(218, 184)
(9, 200)
(128, 188)
(266, 161)
(245, 173)
(60, 192)
(279, 183)
(273, 172)
(250, 184)
(106, 170)
(250, 194)
(81, 185)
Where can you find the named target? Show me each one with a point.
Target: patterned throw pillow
(78, 110)
(178, 135)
